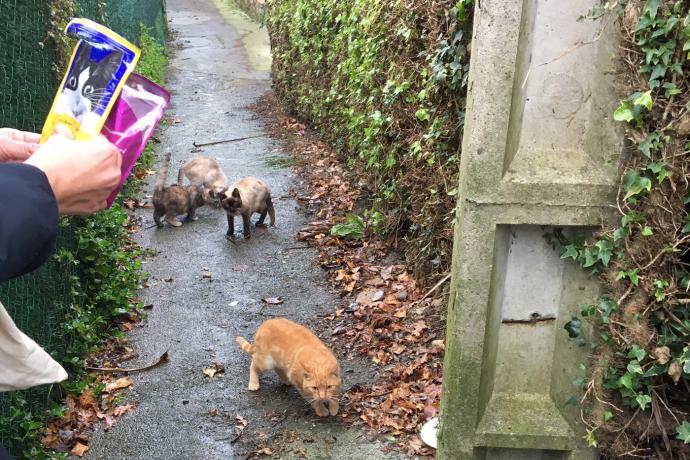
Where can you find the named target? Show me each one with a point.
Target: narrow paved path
(219, 66)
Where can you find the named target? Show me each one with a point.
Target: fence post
(540, 150)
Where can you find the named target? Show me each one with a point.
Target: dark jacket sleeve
(28, 219)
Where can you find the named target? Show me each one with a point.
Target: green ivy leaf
(605, 250)
(608, 415)
(422, 115)
(651, 7)
(634, 183)
(569, 251)
(643, 400)
(645, 100)
(647, 231)
(624, 112)
(634, 367)
(625, 381)
(574, 327)
(587, 310)
(390, 161)
(637, 352)
(352, 229)
(683, 431)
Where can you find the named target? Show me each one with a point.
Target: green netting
(39, 301)
(27, 83)
(125, 16)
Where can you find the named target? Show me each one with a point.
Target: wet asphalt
(219, 66)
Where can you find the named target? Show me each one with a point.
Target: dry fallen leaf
(369, 296)
(662, 354)
(273, 300)
(265, 451)
(120, 410)
(217, 368)
(123, 382)
(241, 420)
(675, 371)
(79, 449)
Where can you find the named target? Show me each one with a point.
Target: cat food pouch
(133, 120)
(100, 64)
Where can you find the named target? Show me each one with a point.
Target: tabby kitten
(299, 358)
(173, 200)
(206, 172)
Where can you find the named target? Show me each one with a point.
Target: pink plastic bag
(133, 120)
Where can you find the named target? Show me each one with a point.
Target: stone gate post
(539, 150)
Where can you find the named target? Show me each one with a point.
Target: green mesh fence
(39, 301)
(125, 16)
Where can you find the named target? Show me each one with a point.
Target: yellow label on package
(98, 68)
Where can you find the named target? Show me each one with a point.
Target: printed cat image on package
(97, 71)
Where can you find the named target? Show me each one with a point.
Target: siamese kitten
(174, 200)
(205, 172)
(299, 358)
(249, 195)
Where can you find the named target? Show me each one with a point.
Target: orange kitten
(299, 358)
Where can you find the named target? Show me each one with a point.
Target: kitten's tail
(163, 172)
(180, 176)
(246, 346)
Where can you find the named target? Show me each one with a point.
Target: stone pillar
(540, 150)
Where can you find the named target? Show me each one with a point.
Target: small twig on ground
(112, 370)
(237, 437)
(296, 247)
(281, 419)
(436, 286)
(225, 141)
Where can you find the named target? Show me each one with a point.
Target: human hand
(17, 146)
(82, 174)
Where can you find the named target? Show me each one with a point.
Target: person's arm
(28, 219)
(62, 176)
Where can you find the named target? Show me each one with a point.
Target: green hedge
(384, 82)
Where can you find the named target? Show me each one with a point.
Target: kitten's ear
(236, 193)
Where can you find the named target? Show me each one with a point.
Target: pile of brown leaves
(383, 315)
(99, 403)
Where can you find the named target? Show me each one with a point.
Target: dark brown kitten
(174, 200)
(249, 195)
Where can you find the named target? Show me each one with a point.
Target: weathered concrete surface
(539, 149)
(214, 74)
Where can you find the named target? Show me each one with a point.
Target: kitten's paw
(258, 225)
(195, 218)
(253, 387)
(174, 223)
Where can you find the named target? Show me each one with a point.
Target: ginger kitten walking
(299, 358)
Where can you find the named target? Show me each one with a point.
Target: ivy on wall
(636, 397)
